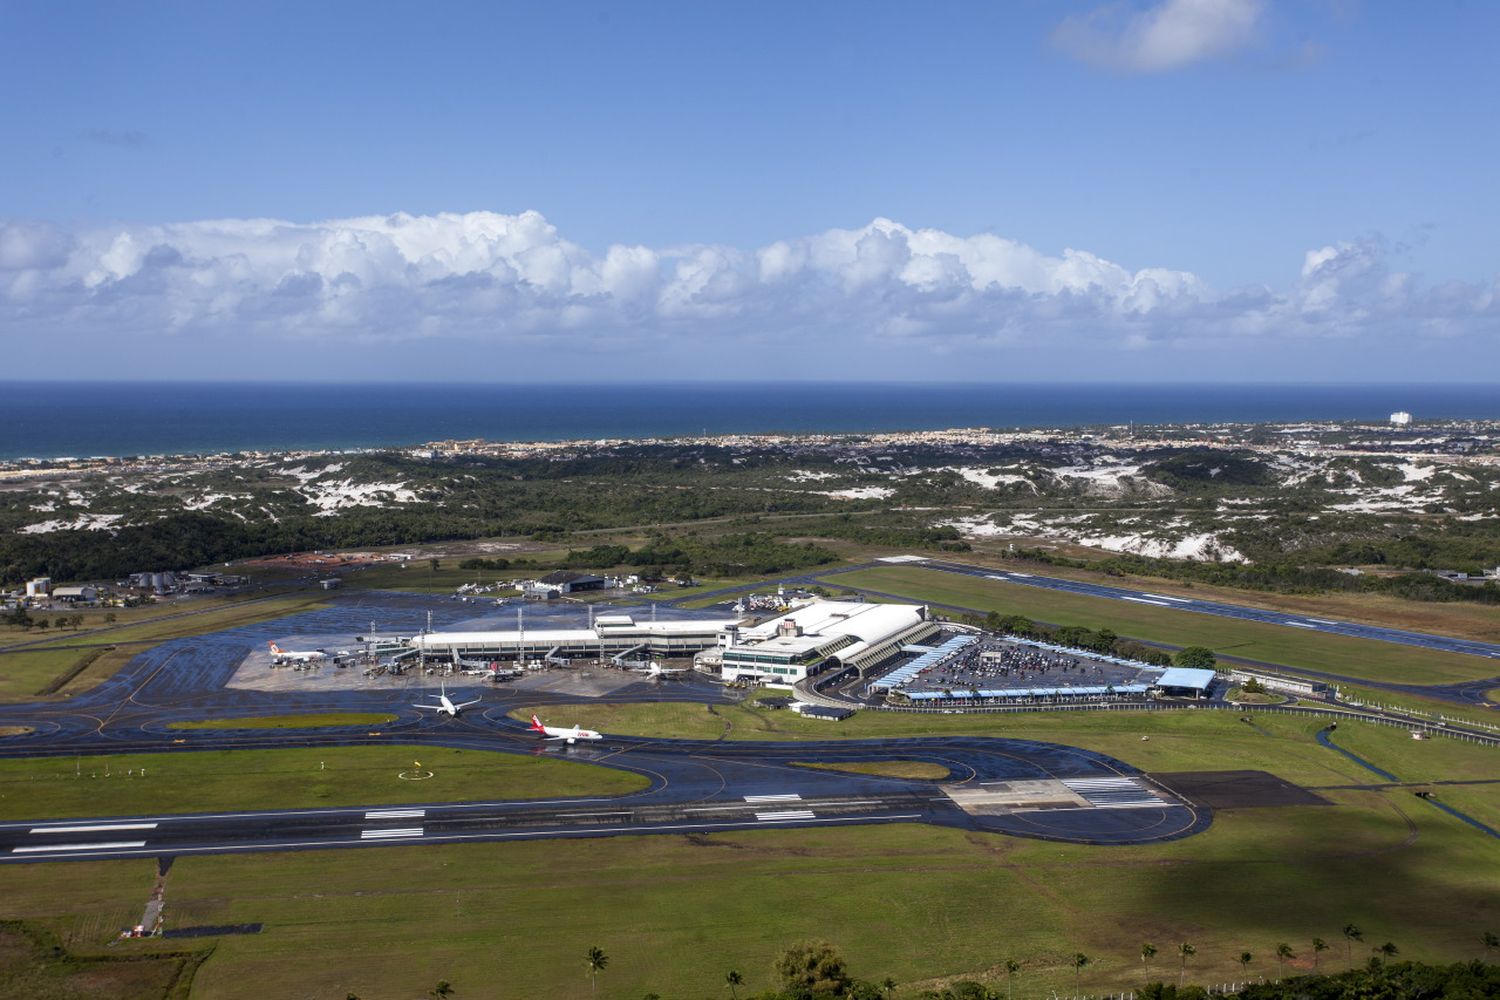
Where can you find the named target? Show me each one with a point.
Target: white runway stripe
(1143, 600)
(75, 848)
(1113, 793)
(787, 814)
(414, 831)
(396, 814)
(96, 828)
(774, 798)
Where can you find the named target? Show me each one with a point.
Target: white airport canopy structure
(824, 635)
(614, 635)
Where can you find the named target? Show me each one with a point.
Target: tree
(1148, 952)
(1245, 959)
(888, 986)
(1011, 968)
(110, 618)
(1319, 946)
(813, 967)
(1186, 951)
(1079, 961)
(734, 980)
(1283, 953)
(1198, 657)
(1491, 941)
(1352, 933)
(1387, 952)
(442, 989)
(597, 960)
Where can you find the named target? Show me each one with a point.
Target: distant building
(40, 587)
(1400, 418)
(76, 595)
(1186, 682)
(330, 583)
(568, 582)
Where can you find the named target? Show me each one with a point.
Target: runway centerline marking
(1144, 600)
(773, 817)
(94, 828)
(792, 797)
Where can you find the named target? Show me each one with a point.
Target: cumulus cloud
(1168, 35)
(500, 280)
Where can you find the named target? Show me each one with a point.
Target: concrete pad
(1000, 798)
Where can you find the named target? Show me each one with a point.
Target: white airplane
(296, 655)
(556, 733)
(657, 671)
(447, 707)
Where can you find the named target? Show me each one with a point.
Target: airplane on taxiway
(447, 706)
(558, 733)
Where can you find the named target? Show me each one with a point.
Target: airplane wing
(466, 704)
(431, 708)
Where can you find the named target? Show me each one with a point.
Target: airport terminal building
(617, 635)
(822, 636)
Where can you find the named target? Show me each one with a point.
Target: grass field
(917, 903)
(309, 721)
(1348, 657)
(197, 781)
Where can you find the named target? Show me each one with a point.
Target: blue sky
(1250, 184)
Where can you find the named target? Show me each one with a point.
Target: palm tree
(596, 962)
(1148, 952)
(1244, 960)
(1319, 945)
(1352, 933)
(888, 985)
(1387, 952)
(734, 981)
(1079, 961)
(1011, 968)
(1491, 941)
(1283, 952)
(442, 989)
(1187, 951)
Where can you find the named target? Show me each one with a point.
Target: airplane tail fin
(275, 648)
(536, 724)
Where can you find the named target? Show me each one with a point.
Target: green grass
(197, 781)
(25, 673)
(33, 963)
(1348, 657)
(918, 903)
(310, 721)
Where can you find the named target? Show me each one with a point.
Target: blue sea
(85, 419)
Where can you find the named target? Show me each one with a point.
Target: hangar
(1185, 682)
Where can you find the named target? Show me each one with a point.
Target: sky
(1205, 190)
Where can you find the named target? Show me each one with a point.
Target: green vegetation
(1225, 636)
(919, 769)
(34, 963)
(674, 913)
(142, 784)
(309, 721)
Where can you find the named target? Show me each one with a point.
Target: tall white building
(1400, 418)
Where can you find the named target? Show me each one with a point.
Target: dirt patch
(1237, 789)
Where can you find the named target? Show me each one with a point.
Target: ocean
(86, 419)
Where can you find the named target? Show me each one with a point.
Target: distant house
(330, 583)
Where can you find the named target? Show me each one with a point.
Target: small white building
(76, 595)
(1400, 419)
(39, 587)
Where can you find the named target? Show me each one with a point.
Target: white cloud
(494, 279)
(1168, 35)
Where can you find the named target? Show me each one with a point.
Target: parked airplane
(657, 671)
(296, 655)
(447, 707)
(556, 733)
